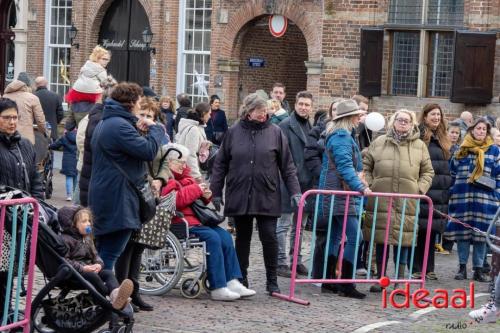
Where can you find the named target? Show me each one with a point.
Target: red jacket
(187, 192)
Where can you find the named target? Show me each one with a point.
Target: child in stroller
(76, 224)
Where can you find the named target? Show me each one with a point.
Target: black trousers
(267, 234)
(104, 281)
(419, 251)
(128, 264)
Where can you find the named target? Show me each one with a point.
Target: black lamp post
(147, 37)
(72, 32)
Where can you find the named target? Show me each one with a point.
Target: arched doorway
(7, 21)
(265, 59)
(121, 33)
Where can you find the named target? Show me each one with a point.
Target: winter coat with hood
(81, 249)
(30, 109)
(440, 188)
(279, 116)
(69, 159)
(394, 167)
(90, 78)
(191, 134)
(252, 160)
(112, 198)
(187, 192)
(95, 116)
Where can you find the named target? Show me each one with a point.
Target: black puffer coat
(250, 161)
(313, 152)
(95, 116)
(439, 191)
(81, 250)
(11, 171)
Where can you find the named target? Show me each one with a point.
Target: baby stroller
(44, 158)
(67, 302)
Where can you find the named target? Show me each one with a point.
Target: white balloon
(375, 121)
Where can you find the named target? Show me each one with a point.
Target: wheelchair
(161, 270)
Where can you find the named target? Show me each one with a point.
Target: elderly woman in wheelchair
(223, 267)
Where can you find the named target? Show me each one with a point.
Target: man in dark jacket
(51, 105)
(278, 92)
(182, 111)
(295, 128)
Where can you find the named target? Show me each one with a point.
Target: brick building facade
(409, 59)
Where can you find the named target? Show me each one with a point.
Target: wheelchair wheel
(205, 283)
(190, 288)
(162, 269)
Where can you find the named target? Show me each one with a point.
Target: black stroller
(67, 303)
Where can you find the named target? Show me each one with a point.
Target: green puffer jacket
(396, 168)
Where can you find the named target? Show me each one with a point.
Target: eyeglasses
(10, 118)
(180, 162)
(403, 121)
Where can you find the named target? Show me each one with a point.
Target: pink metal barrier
(349, 196)
(24, 223)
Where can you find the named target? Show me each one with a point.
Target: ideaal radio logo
(423, 298)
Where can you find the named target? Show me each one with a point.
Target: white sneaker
(223, 294)
(69, 198)
(236, 287)
(486, 314)
(361, 272)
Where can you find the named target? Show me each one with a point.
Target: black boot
(348, 289)
(376, 288)
(137, 300)
(462, 272)
(480, 276)
(272, 286)
(331, 265)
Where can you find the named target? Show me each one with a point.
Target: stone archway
(282, 59)
(228, 60)
(7, 21)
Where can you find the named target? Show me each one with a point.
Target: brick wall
(284, 59)
(36, 38)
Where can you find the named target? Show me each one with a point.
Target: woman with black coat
(18, 169)
(253, 157)
(217, 124)
(433, 133)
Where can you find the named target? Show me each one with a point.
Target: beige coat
(30, 109)
(396, 168)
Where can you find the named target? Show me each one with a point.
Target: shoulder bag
(147, 199)
(206, 215)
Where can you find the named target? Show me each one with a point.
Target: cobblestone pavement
(326, 313)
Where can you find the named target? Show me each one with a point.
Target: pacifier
(88, 230)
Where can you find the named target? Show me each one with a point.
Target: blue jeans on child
(222, 261)
(479, 249)
(70, 185)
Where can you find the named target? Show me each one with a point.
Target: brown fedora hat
(347, 108)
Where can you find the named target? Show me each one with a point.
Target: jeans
(350, 242)
(104, 281)
(110, 246)
(76, 190)
(463, 247)
(222, 263)
(284, 222)
(70, 185)
(379, 252)
(267, 235)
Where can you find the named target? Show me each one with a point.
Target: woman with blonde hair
(276, 112)
(397, 162)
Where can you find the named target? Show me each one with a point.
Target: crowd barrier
(402, 199)
(18, 219)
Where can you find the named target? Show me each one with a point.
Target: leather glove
(217, 202)
(295, 200)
